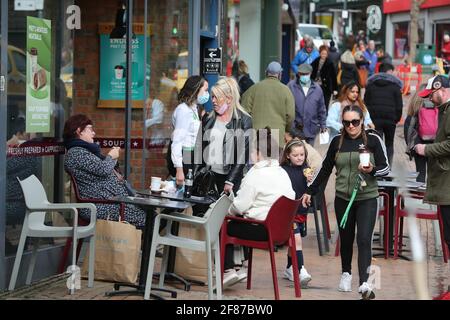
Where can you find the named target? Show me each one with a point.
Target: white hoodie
(263, 184)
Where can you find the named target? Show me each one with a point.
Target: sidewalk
(395, 281)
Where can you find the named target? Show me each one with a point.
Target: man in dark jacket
(334, 55)
(383, 99)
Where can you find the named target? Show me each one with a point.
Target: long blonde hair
(415, 102)
(228, 87)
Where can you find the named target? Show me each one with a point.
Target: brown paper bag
(190, 264)
(117, 252)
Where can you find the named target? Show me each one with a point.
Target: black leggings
(363, 215)
(244, 231)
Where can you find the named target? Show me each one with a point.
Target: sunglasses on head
(354, 122)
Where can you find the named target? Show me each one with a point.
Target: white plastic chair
(211, 224)
(33, 226)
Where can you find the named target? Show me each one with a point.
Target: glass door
(39, 59)
(3, 80)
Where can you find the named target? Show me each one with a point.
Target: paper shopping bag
(117, 252)
(190, 264)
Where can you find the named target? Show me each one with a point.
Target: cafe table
(391, 188)
(149, 204)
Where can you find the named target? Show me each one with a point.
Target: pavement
(393, 279)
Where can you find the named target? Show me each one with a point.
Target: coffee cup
(364, 159)
(156, 183)
(119, 72)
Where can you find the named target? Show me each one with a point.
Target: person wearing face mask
(223, 139)
(186, 123)
(310, 110)
(306, 55)
(438, 152)
(270, 103)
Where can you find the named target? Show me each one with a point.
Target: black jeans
(445, 211)
(244, 231)
(387, 129)
(362, 215)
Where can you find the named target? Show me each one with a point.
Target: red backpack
(428, 123)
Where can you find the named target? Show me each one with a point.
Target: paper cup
(156, 183)
(364, 159)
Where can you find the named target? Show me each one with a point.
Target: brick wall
(110, 123)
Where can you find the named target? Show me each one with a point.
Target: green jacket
(270, 103)
(346, 160)
(438, 154)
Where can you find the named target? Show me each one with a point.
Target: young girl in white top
(186, 122)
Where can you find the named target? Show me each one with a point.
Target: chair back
(35, 197)
(280, 218)
(216, 217)
(33, 192)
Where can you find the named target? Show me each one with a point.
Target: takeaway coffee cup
(364, 157)
(118, 70)
(156, 183)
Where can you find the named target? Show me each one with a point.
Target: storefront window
(35, 91)
(401, 36)
(168, 60)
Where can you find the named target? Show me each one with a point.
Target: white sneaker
(366, 291)
(305, 277)
(242, 274)
(346, 282)
(230, 277)
(288, 274)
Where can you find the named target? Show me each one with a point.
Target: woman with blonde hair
(224, 142)
(243, 79)
(350, 95)
(411, 133)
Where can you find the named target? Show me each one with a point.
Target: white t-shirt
(186, 123)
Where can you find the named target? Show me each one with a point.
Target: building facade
(79, 69)
(434, 21)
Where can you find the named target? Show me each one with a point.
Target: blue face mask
(305, 79)
(203, 98)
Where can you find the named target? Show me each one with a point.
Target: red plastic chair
(279, 228)
(400, 213)
(384, 211)
(82, 222)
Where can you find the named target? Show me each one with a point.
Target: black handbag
(204, 185)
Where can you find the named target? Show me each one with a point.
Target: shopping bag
(324, 137)
(190, 264)
(117, 252)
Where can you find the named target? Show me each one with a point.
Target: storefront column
(389, 36)
(194, 37)
(3, 126)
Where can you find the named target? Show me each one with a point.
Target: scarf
(92, 147)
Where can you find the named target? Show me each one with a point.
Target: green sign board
(113, 70)
(39, 61)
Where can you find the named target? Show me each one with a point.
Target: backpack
(428, 123)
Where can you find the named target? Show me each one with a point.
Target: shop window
(401, 38)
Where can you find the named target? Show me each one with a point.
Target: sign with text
(113, 70)
(212, 60)
(39, 62)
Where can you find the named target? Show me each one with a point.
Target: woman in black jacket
(324, 74)
(224, 142)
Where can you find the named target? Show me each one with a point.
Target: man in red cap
(438, 152)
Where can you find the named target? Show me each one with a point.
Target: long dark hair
(288, 149)
(188, 94)
(346, 89)
(344, 133)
